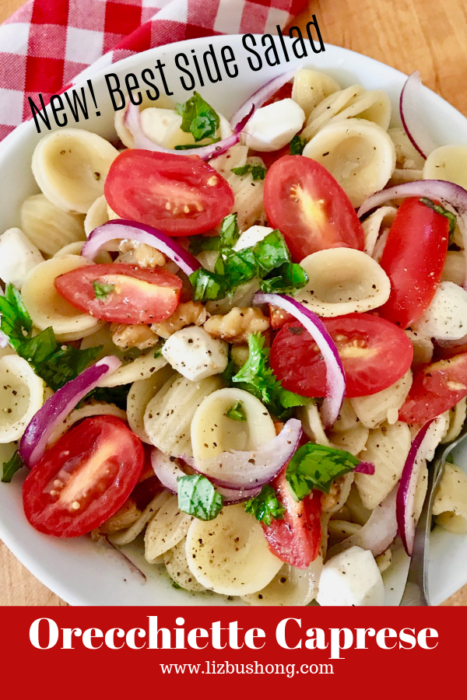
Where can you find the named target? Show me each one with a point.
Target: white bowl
(79, 571)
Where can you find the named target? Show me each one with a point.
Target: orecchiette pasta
(92, 409)
(454, 267)
(457, 416)
(166, 529)
(342, 281)
(328, 108)
(141, 392)
(383, 406)
(21, 396)
(48, 308)
(70, 167)
(375, 225)
(387, 448)
(178, 569)
(445, 318)
(49, 227)
(130, 534)
(311, 87)
(352, 441)
(450, 504)
(358, 153)
(97, 215)
(447, 163)
(124, 134)
(290, 586)
(422, 349)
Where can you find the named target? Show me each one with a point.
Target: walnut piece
(237, 325)
(123, 518)
(140, 254)
(191, 313)
(133, 336)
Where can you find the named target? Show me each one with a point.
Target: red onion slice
(121, 228)
(133, 123)
(58, 406)
(378, 533)
(406, 491)
(365, 468)
(409, 108)
(261, 96)
(168, 472)
(335, 375)
(246, 471)
(450, 195)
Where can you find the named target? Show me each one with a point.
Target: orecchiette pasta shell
(358, 153)
(457, 416)
(235, 157)
(97, 215)
(126, 536)
(407, 156)
(241, 297)
(248, 193)
(387, 448)
(102, 257)
(92, 409)
(328, 108)
(342, 281)
(21, 396)
(339, 530)
(358, 513)
(311, 87)
(49, 227)
(450, 504)
(446, 317)
(375, 224)
(141, 368)
(125, 136)
(454, 267)
(401, 175)
(347, 418)
(70, 167)
(212, 432)
(420, 491)
(166, 529)
(168, 416)
(140, 394)
(290, 586)
(230, 555)
(447, 163)
(48, 308)
(352, 441)
(156, 123)
(374, 106)
(312, 424)
(178, 569)
(384, 561)
(383, 406)
(422, 349)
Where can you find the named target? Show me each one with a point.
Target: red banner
(96, 652)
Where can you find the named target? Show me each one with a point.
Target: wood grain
(423, 35)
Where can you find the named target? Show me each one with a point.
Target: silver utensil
(417, 589)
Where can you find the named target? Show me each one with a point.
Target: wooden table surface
(423, 35)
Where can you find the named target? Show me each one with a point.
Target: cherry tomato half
(374, 352)
(435, 389)
(296, 538)
(178, 194)
(413, 258)
(84, 478)
(121, 293)
(310, 208)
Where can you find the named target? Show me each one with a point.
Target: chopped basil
(236, 412)
(257, 377)
(207, 286)
(55, 364)
(444, 212)
(229, 231)
(102, 290)
(198, 497)
(10, 467)
(316, 467)
(198, 244)
(239, 266)
(117, 395)
(290, 280)
(297, 145)
(189, 146)
(198, 118)
(271, 252)
(258, 172)
(265, 507)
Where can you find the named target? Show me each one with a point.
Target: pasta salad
(239, 342)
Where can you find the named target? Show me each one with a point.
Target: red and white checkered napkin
(48, 43)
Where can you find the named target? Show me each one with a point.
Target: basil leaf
(11, 466)
(117, 395)
(198, 497)
(236, 412)
(239, 266)
(102, 290)
(265, 507)
(229, 231)
(189, 146)
(258, 172)
(271, 252)
(289, 399)
(16, 322)
(65, 364)
(316, 466)
(198, 117)
(297, 145)
(290, 280)
(452, 218)
(37, 349)
(199, 244)
(207, 286)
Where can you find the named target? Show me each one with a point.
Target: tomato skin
(155, 188)
(296, 538)
(413, 258)
(296, 185)
(435, 389)
(140, 295)
(374, 353)
(100, 487)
